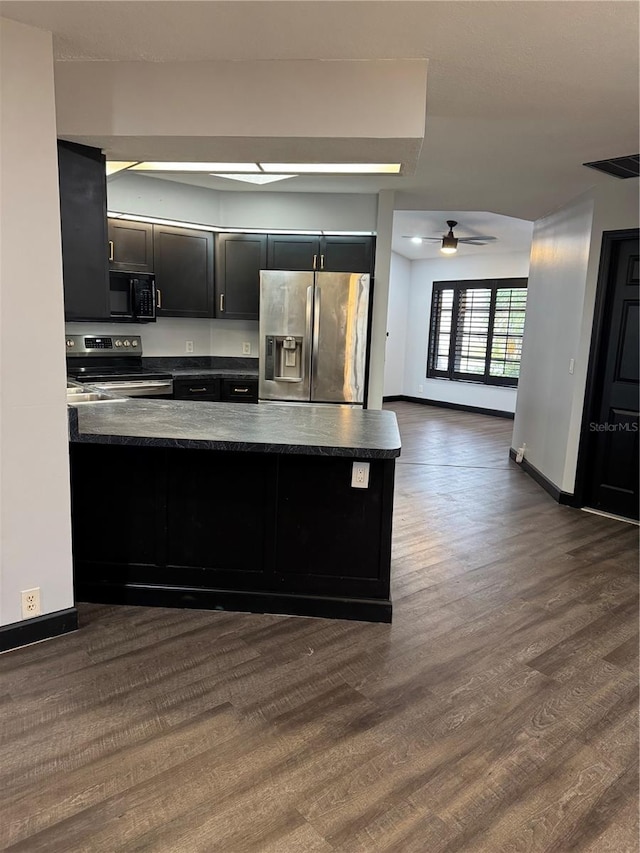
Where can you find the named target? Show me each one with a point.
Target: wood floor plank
(498, 713)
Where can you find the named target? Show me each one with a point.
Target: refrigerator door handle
(316, 338)
(308, 348)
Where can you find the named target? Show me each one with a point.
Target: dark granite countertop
(259, 428)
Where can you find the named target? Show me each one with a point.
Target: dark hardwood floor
(498, 713)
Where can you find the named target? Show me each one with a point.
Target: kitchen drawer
(196, 389)
(240, 390)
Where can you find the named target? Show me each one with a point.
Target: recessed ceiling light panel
(114, 166)
(253, 179)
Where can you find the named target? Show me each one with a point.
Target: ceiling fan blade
(478, 240)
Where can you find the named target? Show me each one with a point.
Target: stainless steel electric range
(114, 363)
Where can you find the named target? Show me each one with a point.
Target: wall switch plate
(188, 346)
(360, 475)
(246, 348)
(572, 364)
(31, 603)
(420, 389)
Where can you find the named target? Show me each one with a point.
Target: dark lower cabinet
(83, 219)
(239, 391)
(183, 266)
(330, 535)
(130, 245)
(217, 517)
(231, 530)
(196, 389)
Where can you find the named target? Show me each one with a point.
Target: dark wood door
(293, 252)
(612, 463)
(130, 245)
(83, 218)
(183, 261)
(239, 259)
(346, 254)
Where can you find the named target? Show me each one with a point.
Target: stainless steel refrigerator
(313, 336)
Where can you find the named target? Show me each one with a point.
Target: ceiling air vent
(619, 167)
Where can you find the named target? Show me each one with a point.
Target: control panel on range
(88, 345)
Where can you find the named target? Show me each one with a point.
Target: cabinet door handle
(315, 260)
(221, 302)
(321, 262)
(110, 250)
(158, 298)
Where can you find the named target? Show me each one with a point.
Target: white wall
(423, 274)
(399, 289)
(562, 285)
(146, 196)
(35, 547)
(168, 335)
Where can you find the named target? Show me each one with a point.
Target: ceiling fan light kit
(449, 242)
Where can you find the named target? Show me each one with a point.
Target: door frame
(597, 359)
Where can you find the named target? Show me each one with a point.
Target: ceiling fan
(450, 241)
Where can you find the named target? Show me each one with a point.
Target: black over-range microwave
(132, 297)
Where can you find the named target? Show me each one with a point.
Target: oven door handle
(138, 387)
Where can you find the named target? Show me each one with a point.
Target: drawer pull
(198, 390)
(240, 390)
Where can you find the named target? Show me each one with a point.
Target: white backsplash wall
(168, 335)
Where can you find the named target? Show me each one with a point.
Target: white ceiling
(519, 93)
(512, 235)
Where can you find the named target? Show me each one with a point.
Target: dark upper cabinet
(183, 266)
(328, 254)
(293, 252)
(347, 254)
(239, 259)
(130, 245)
(83, 218)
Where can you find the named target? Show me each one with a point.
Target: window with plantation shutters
(476, 330)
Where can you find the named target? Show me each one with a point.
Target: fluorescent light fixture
(114, 166)
(416, 239)
(333, 168)
(253, 179)
(195, 167)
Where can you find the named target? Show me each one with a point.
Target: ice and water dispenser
(283, 358)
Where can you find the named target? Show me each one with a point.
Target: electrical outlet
(31, 602)
(420, 389)
(520, 453)
(188, 346)
(360, 475)
(246, 348)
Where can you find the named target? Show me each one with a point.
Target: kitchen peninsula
(263, 508)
